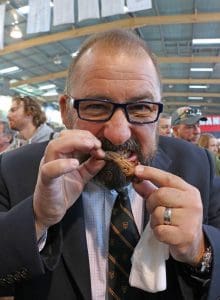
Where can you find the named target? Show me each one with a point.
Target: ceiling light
(47, 87)
(16, 32)
(23, 10)
(205, 41)
(74, 53)
(57, 60)
(198, 86)
(9, 70)
(51, 93)
(201, 69)
(195, 98)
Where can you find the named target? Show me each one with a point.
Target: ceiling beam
(134, 22)
(188, 59)
(63, 74)
(190, 81)
(187, 94)
(42, 78)
(183, 103)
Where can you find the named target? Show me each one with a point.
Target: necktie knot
(123, 198)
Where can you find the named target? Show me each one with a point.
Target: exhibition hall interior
(40, 38)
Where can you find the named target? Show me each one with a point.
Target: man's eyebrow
(149, 96)
(140, 97)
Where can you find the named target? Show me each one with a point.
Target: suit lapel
(75, 251)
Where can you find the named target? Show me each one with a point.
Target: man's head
(112, 81)
(185, 123)
(25, 110)
(208, 141)
(164, 125)
(6, 135)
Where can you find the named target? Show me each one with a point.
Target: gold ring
(167, 216)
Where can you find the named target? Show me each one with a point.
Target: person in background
(164, 125)
(55, 215)
(185, 123)
(27, 118)
(6, 136)
(210, 142)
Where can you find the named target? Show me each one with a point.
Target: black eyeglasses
(97, 110)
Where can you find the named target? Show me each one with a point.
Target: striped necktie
(123, 238)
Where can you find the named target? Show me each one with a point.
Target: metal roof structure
(169, 27)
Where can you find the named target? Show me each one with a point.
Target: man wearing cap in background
(185, 123)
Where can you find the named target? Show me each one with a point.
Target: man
(6, 136)
(27, 117)
(57, 240)
(164, 125)
(185, 124)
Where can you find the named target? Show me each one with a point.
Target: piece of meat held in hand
(126, 166)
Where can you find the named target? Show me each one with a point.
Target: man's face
(164, 126)
(190, 133)
(213, 145)
(4, 140)
(121, 79)
(17, 118)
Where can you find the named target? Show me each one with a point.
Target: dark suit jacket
(61, 270)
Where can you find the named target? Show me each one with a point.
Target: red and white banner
(211, 125)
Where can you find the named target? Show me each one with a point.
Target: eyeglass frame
(123, 106)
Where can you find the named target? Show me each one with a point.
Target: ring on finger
(167, 216)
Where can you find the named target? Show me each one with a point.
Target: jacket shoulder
(26, 154)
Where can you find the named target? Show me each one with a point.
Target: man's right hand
(61, 178)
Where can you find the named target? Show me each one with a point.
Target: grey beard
(111, 175)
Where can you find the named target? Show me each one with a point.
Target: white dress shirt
(97, 204)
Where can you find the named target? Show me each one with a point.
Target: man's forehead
(96, 53)
(189, 125)
(106, 66)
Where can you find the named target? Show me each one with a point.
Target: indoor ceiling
(169, 28)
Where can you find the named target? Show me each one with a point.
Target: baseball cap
(187, 115)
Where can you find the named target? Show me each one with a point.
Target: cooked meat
(125, 165)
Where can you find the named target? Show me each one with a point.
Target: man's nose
(117, 130)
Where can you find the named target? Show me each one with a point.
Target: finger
(54, 169)
(171, 197)
(71, 141)
(90, 168)
(157, 217)
(170, 235)
(160, 178)
(144, 188)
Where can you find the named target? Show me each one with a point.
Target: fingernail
(139, 170)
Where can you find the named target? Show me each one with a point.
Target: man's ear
(65, 111)
(175, 131)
